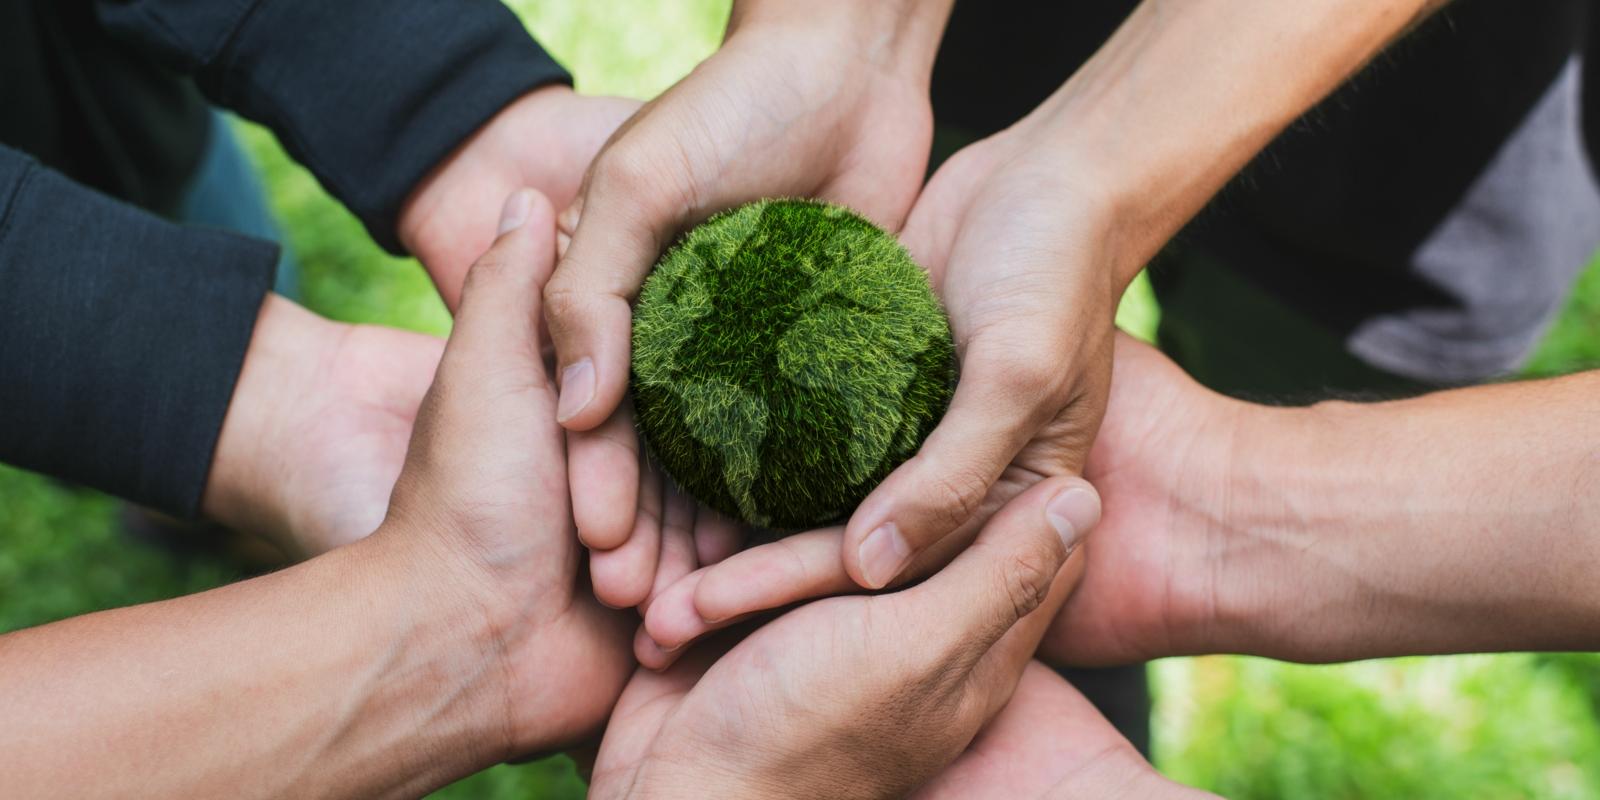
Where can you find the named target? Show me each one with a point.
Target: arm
(454, 637)
(1033, 234)
(148, 360)
(369, 94)
(419, 116)
(360, 673)
(1186, 93)
(1461, 521)
(117, 356)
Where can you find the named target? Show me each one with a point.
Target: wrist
(900, 37)
(287, 346)
(433, 697)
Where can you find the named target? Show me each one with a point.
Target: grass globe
(787, 355)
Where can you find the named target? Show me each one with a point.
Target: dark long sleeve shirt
(121, 335)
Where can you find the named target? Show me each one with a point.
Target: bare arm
(454, 637)
(1461, 521)
(348, 675)
(1188, 91)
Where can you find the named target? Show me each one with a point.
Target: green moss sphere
(787, 355)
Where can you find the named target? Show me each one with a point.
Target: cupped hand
(1019, 251)
(1018, 247)
(1051, 743)
(317, 429)
(826, 100)
(484, 486)
(862, 696)
(545, 140)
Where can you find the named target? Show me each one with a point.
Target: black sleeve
(121, 337)
(369, 94)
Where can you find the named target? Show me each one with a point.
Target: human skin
(1460, 521)
(864, 696)
(824, 99)
(1032, 235)
(544, 140)
(454, 637)
(317, 428)
(1050, 743)
(1456, 522)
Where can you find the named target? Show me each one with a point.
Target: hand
(1019, 246)
(1161, 580)
(863, 696)
(545, 141)
(317, 429)
(1050, 742)
(454, 637)
(485, 485)
(1021, 253)
(828, 99)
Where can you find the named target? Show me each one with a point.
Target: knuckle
(1033, 372)
(626, 169)
(958, 495)
(1026, 579)
(490, 268)
(563, 305)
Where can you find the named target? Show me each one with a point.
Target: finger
(789, 570)
(993, 678)
(622, 577)
(670, 623)
(716, 537)
(629, 210)
(1007, 573)
(604, 466)
(500, 303)
(999, 403)
(772, 576)
(677, 544)
(649, 654)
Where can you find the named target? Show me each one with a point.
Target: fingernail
(883, 554)
(516, 210)
(1073, 513)
(577, 389)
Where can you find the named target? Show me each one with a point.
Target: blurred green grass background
(1504, 726)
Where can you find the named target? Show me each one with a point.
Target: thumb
(1005, 574)
(998, 404)
(497, 326)
(619, 225)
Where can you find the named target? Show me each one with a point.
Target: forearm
(901, 35)
(372, 102)
(118, 331)
(349, 675)
(1457, 522)
(1188, 91)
